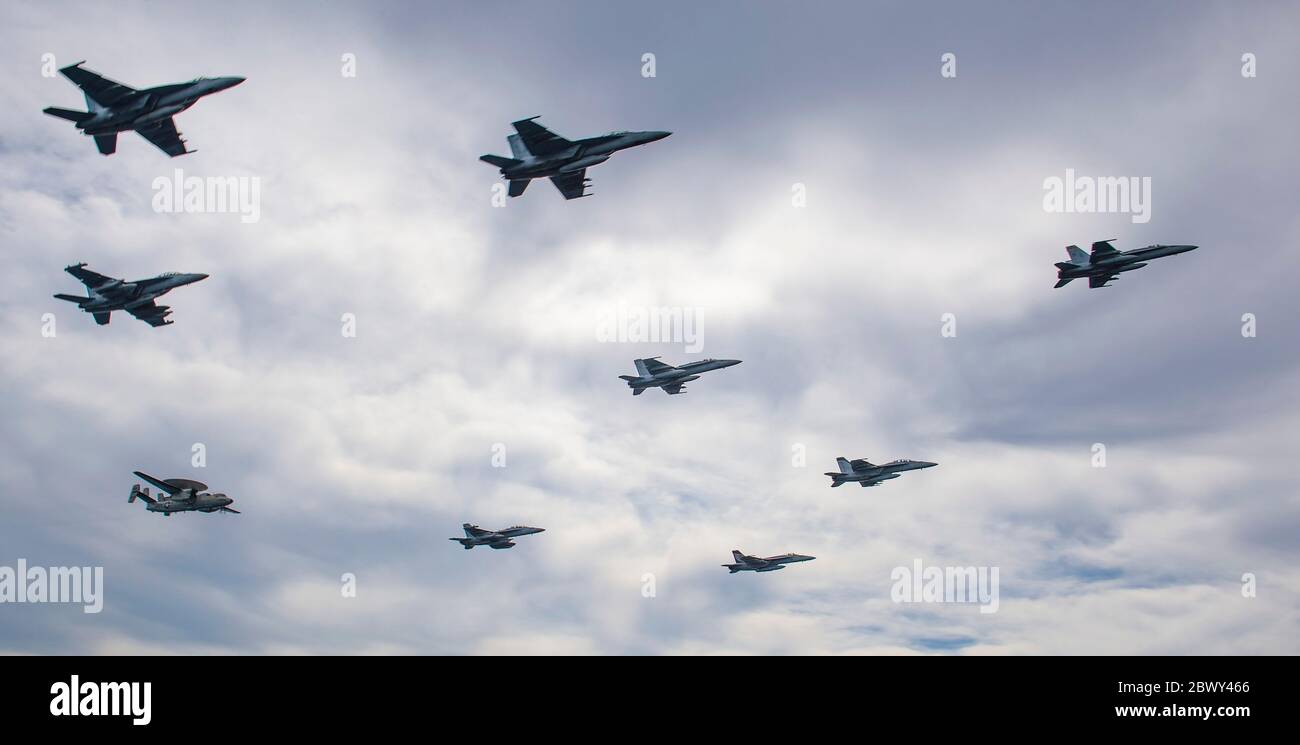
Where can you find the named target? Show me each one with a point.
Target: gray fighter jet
(476, 536)
(540, 153)
(106, 295)
(651, 373)
(118, 108)
(866, 473)
(1106, 262)
(182, 495)
(759, 564)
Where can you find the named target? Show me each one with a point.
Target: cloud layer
(477, 328)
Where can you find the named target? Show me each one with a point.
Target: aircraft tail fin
(837, 479)
(141, 494)
(739, 557)
(107, 144)
(845, 465)
(69, 114)
(499, 161)
(92, 104)
(518, 147)
(1077, 256)
(72, 298)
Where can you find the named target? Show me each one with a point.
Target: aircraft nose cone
(729, 363)
(927, 464)
(655, 136)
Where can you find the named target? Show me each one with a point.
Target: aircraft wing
(861, 463)
(163, 485)
(1099, 280)
(164, 136)
(538, 139)
(151, 313)
(572, 185)
(97, 88)
(474, 531)
(1103, 249)
(654, 366)
(88, 278)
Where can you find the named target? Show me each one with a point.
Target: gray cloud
(477, 325)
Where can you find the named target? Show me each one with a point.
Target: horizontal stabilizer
(1064, 282)
(69, 114)
(499, 161)
(73, 298)
(517, 187)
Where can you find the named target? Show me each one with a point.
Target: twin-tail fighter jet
(763, 564)
(105, 294)
(476, 536)
(1105, 262)
(115, 108)
(540, 153)
(866, 473)
(651, 373)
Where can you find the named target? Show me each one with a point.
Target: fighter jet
(118, 108)
(769, 564)
(866, 473)
(540, 153)
(1106, 262)
(651, 373)
(182, 495)
(476, 536)
(106, 295)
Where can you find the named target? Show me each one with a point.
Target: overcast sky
(477, 326)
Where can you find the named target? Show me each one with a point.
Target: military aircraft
(1106, 262)
(651, 373)
(118, 108)
(866, 473)
(182, 495)
(540, 153)
(476, 536)
(106, 295)
(769, 564)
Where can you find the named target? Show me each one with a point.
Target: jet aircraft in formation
(105, 295)
(179, 495)
(540, 153)
(115, 108)
(866, 473)
(745, 563)
(476, 536)
(1105, 262)
(651, 373)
